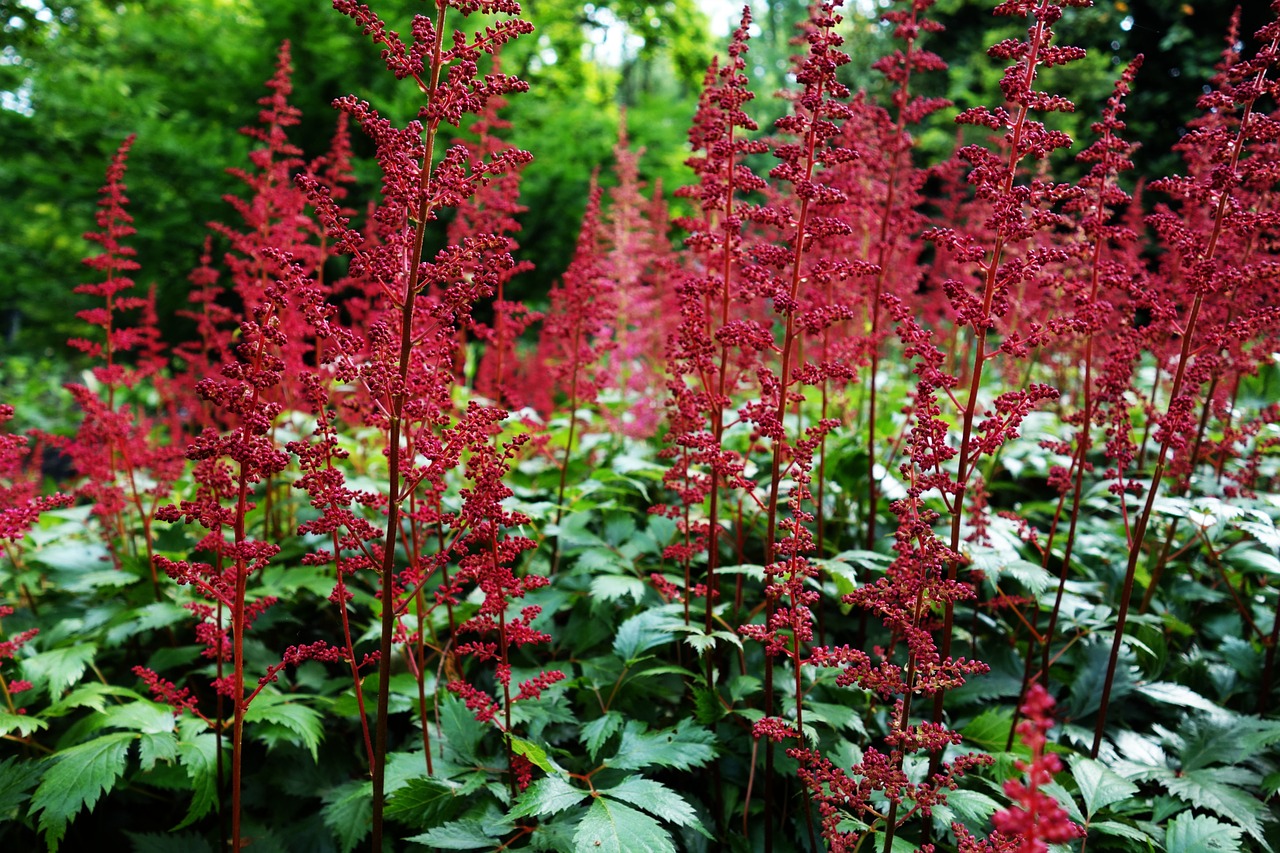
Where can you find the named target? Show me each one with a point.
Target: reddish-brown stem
(408, 299)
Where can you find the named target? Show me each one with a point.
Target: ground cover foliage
(872, 504)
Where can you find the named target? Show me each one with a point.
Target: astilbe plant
(229, 467)
(717, 345)
(1208, 240)
(407, 370)
(394, 347)
(126, 469)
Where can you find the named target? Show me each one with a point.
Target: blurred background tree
(77, 76)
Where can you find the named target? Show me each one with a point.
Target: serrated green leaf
(348, 812)
(462, 732)
(59, 668)
(303, 721)
(24, 724)
(617, 587)
(974, 808)
(1190, 833)
(707, 706)
(140, 716)
(466, 833)
(156, 746)
(611, 827)
(1099, 785)
(1200, 789)
(599, 730)
(990, 729)
(683, 747)
(198, 755)
(700, 643)
(16, 779)
(421, 803)
(92, 695)
(536, 754)
(79, 777)
(642, 632)
(1176, 694)
(658, 800)
(547, 796)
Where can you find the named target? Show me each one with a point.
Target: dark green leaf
(599, 730)
(348, 812)
(421, 803)
(16, 779)
(198, 754)
(80, 776)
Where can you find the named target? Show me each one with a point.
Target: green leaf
(547, 796)
(16, 779)
(301, 720)
(157, 614)
(683, 747)
(707, 706)
(1120, 830)
(24, 724)
(156, 746)
(59, 668)
(617, 587)
(990, 729)
(140, 716)
(1202, 790)
(536, 754)
(1099, 785)
(642, 632)
(421, 803)
(1189, 833)
(974, 808)
(599, 730)
(462, 732)
(198, 755)
(1176, 694)
(348, 812)
(611, 827)
(466, 833)
(92, 695)
(658, 800)
(79, 777)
